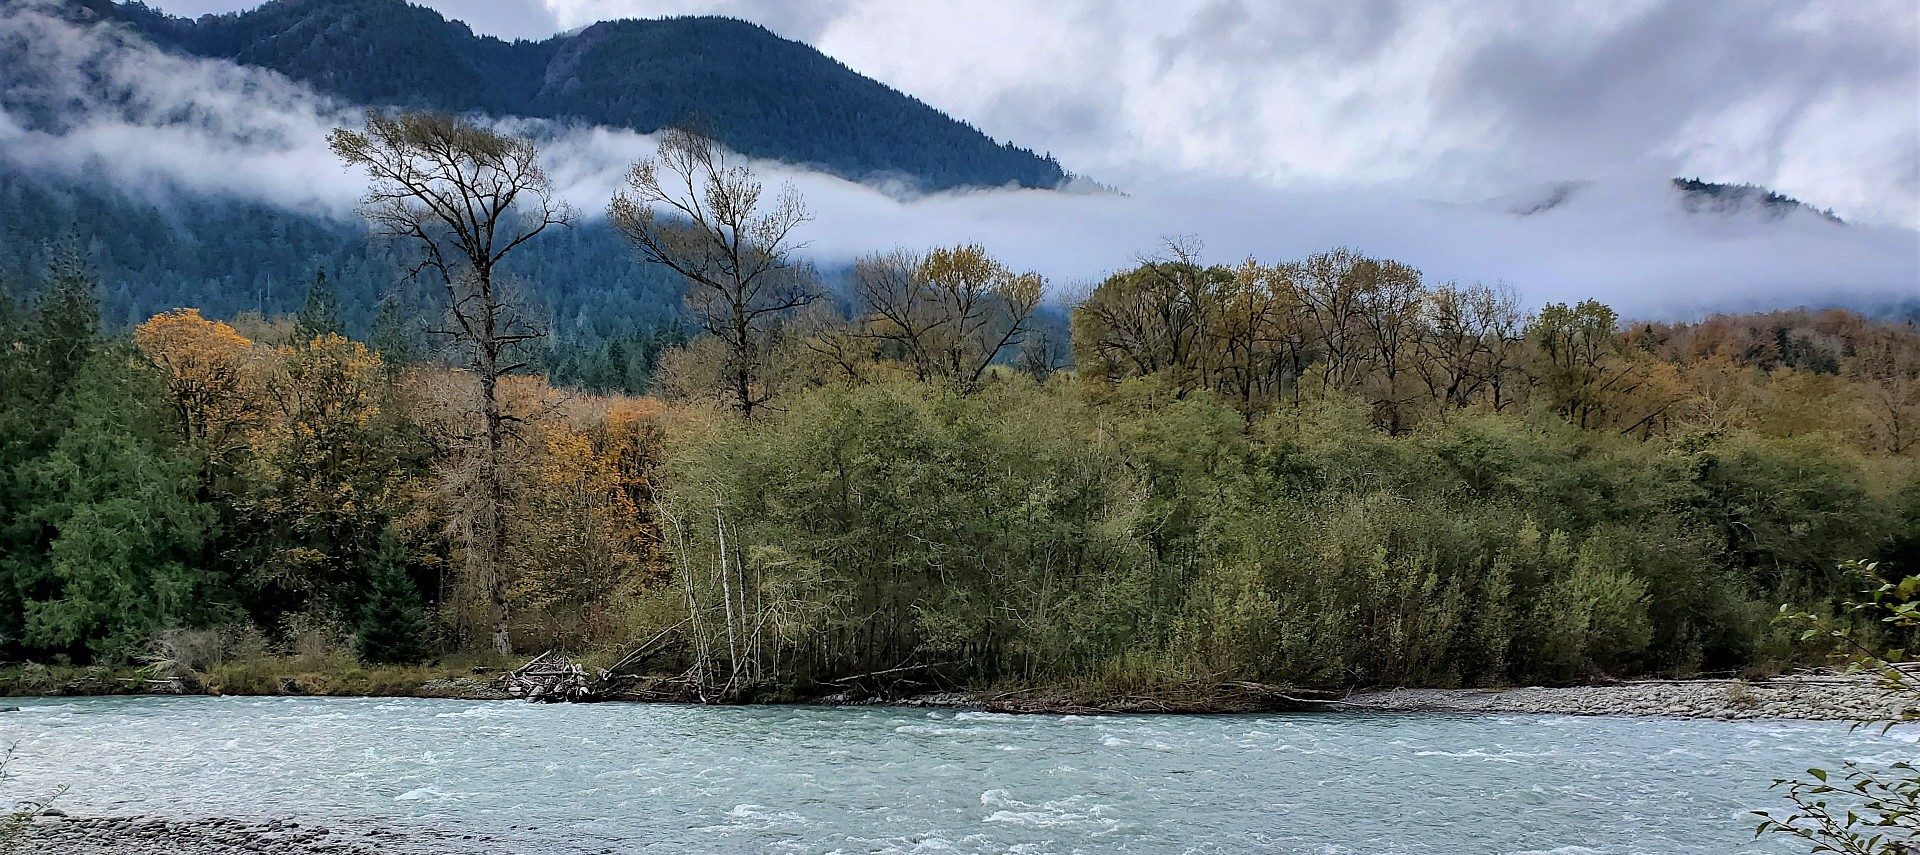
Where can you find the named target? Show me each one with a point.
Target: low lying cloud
(87, 102)
(1444, 98)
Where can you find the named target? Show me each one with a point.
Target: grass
(331, 675)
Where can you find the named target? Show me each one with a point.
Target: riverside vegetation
(1322, 472)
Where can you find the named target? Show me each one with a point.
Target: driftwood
(553, 678)
(547, 678)
(891, 683)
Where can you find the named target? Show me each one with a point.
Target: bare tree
(462, 198)
(949, 313)
(887, 289)
(1330, 295)
(1154, 318)
(1467, 342)
(695, 211)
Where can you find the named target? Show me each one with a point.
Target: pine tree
(613, 376)
(65, 327)
(45, 348)
(392, 628)
(320, 313)
(390, 336)
(10, 313)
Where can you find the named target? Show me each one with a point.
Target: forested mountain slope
(760, 94)
(230, 257)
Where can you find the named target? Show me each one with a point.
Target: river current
(667, 778)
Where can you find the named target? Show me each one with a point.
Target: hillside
(760, 94)
(1699, 196)
(230, 258)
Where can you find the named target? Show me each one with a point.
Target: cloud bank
(1453, 99)
(157, 124)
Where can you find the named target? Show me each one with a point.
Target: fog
(88, 103)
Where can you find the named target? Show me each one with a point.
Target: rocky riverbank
(1820, 699)
(1823, 697)
(155, 836)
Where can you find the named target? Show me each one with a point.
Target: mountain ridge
(758, 93)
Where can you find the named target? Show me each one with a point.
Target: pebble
(1815, 700)
(53, 832)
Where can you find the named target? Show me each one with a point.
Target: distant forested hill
(1698, 196)
(609, 314)
(760, 94)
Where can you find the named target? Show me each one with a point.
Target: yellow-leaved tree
(327, 470)
(585, 534)
(211, 376)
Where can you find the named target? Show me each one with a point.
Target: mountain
(1694, 197)
(227, 257)
(1700, 197)
(760, 94)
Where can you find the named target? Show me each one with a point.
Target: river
(668, 778)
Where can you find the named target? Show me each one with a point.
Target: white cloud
(1450, 98)
(1457, 98)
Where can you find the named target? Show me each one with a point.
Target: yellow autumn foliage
(210, 376)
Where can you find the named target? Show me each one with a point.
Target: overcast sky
(1454, 100)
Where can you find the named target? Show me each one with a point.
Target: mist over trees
(608, 319)
(1321, 471)
(757, 93)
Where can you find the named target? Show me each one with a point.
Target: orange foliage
(209, 371)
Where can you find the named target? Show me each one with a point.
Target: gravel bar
(215, 836)
(1827, 699)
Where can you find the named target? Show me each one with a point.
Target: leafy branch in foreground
(14, 823)
(1859, 810)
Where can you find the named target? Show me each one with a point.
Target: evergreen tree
(16, 425)
(393, 622)
(391, 337)
(117, 491)
(10, 312)
(46, 346)
(614, 375)
(320, 314)
(65, 327)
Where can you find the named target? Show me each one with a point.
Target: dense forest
(758, 93)
(1323, 471)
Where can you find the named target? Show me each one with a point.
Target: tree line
(1325, 471)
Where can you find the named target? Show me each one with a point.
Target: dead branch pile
(548, 678)
(892, 683)
(553, 678)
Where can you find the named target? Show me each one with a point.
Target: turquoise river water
(666, 778)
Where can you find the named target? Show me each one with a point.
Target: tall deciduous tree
(328, 473)
(463, 198)
(208, 374)
(696, 211)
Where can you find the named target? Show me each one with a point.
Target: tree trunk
(493, 487)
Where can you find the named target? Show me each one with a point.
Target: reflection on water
(663, 778)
